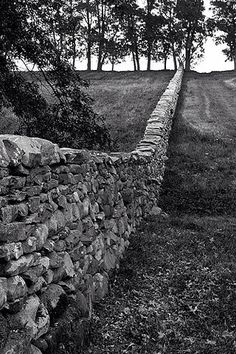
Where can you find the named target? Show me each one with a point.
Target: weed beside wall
(66, 217)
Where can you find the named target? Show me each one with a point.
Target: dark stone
(17, 343)
(4, 172)
(34, 203)
(75, 156)
(55, 300)
(13, 232)
(4, 331)
(33, 190)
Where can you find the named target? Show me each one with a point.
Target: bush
(9, 122)
(69, 121)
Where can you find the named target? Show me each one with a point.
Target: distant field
(126, 99)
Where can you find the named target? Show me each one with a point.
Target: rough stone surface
(65, 220)
(16, 288)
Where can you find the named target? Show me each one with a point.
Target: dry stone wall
(65, 220)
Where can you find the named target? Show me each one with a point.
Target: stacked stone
(65, 220)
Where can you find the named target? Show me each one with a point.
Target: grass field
(175, 292)
(126, 100)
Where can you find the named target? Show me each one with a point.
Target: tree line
(112, 30)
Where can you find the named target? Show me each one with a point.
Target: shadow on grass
(200, 172)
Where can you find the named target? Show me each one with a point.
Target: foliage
(131, 22)
(8, 121)
(69, 120)
(224, 20)
(192, 28)
(152, 30)
(111, 30)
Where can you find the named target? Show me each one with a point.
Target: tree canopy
(34, 31)
(223, 25)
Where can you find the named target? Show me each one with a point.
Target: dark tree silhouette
(224, 20)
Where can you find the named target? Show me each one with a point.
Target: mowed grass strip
(200, 173)
(126, 100)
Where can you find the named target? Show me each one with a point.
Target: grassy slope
(126, 100)
(175, 292)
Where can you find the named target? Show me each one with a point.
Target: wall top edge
(30, 152)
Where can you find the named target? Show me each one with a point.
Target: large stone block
(11, 251)
(41, 235)
(30, 152)
(33, 273)
(38, 287)
(10, 152)
(21, 265)
(16, 288)
(60, 220)
(13, 232)
(29, 245)
(75, 156)
(34, 203)
(66, 269)
(33, 317)
(52, 297)
(110, 260)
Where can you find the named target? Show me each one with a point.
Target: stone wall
(65, 220)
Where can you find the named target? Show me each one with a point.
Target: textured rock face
(65, 220)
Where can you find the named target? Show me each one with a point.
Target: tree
(224, 20)
(152, 31)
(130, 18)
(26, 33)
(89, 34)
(192, 28)
(172, 36)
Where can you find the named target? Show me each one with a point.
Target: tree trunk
(149, 57)
(187, 60)
(137, 58)
(235, 59)
(188, 45)
(74, 49)
(134, 61)
(101, 31)
(89, 45)
(165, 62)
(175, 62)
(99, 64)
(89, 65)
(174, 57)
